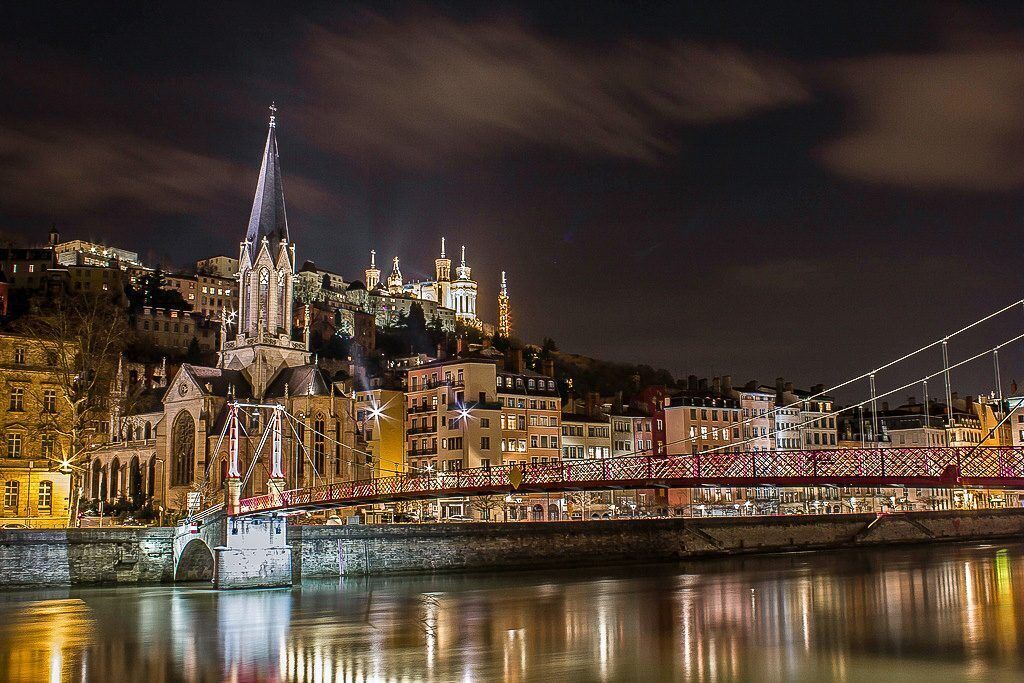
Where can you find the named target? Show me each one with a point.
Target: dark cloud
(934, 121)
(82, 170)
(418, 89)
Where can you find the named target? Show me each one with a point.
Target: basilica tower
(443, 278)
(464, 291)
(373, 272)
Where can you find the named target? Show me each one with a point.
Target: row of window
(16, 402)
(167, 326)
(577, 452)
(14, 442)
(731, 415)
(715, 432)
(517, 383)
(12, 495)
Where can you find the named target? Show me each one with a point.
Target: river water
(932, 613)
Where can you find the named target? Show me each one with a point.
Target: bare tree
(82, 337)
(485, 505)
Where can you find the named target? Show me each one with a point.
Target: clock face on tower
(182, 389)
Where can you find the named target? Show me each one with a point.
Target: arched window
(183, 449)
(12, 489)
(115, 479)
(300, 449)
(45, 496)
(264, 295)
(319, 444)
(148, 433)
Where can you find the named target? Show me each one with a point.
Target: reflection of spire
(463, 255)
(442, 247)
(373, 258)
(504, 310)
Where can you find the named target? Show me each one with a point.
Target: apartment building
(36, 482)
(696, 423)
(585, 437)
(380, 420)
(757, 410)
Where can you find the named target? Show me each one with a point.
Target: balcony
(422, 452)
(421, 430)
(421, 409)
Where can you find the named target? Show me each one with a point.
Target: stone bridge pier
(234, 552)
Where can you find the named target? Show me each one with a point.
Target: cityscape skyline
(801, 164)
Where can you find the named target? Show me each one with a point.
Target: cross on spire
(273, 114)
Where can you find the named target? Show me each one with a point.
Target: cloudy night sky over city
(758, 189)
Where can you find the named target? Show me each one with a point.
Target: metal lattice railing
(994, 467)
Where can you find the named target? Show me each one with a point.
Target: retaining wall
(56, 557)
(105, 556)
(329, 551)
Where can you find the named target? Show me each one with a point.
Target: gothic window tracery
(183, 449)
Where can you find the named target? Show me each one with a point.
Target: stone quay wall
(59, 557)
(330, 551)
(139, 556)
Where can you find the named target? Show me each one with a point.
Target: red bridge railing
(940, 467)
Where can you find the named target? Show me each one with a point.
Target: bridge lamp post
(463, 416)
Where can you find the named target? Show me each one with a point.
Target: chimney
(911, 400)
(514, 360)
(780, 384)
(441, 355)
(727, 382)
(716, 385)
(702, 384)
(789, 386)
(691, 382)
(885, 406)
(548, 368)
(817, 388)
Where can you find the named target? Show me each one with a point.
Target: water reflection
(929, 612)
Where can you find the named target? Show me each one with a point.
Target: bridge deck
(989, 467)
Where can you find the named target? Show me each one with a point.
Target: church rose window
(183, 449)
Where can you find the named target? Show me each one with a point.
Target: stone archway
(195, 563)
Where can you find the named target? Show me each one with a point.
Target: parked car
(13, 525)
(457, 518)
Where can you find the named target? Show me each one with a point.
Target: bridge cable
(943, 341)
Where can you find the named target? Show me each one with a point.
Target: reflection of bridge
(989, 467)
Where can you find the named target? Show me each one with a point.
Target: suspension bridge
(247, 537)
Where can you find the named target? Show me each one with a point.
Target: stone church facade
(181, 445)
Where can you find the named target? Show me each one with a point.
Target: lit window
(45, 495)
(11, 490)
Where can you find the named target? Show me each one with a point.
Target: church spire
(395, 279)
(268, 219)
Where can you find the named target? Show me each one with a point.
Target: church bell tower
(266, 270)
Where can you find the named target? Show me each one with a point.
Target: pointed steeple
(268, 219)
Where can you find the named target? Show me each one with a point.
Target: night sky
(756, 189)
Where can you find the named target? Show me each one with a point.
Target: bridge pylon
(250, 551)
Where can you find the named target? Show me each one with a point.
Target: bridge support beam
(253, 554)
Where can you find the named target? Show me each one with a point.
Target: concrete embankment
(133, 556)
(353, 550)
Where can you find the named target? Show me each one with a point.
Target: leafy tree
(194, 354)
